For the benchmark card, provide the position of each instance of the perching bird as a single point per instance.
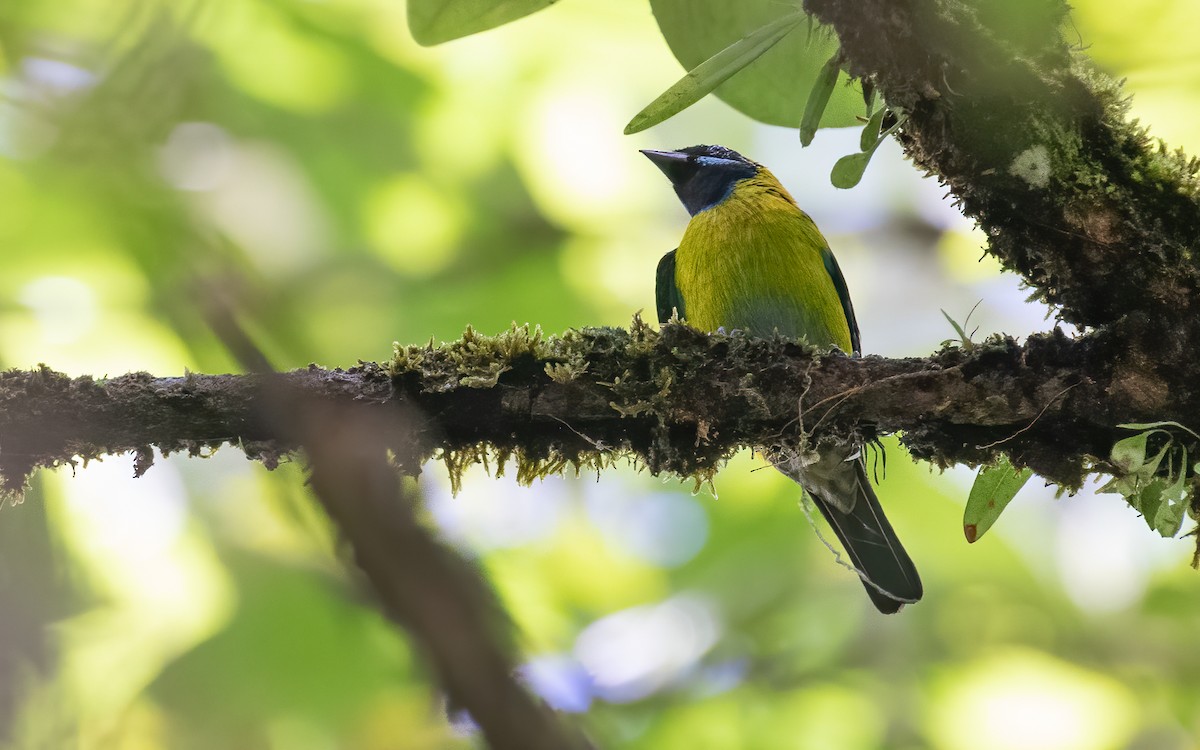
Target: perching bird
(751, 259)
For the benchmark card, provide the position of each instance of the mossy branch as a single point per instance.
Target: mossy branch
(673, 401)
(1098, 218)
(1034, 142)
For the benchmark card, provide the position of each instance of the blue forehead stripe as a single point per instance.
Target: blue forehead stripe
(715, 161)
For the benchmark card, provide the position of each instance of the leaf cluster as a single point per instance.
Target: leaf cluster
(1159, 483)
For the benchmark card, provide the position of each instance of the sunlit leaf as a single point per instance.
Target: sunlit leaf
(435, 21)
(711, 73)
(774, 87)
(994, 488)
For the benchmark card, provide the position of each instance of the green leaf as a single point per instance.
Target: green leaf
(772, 89)
(994, 488)
(1162, 505)
(962, 334)
(1150, 468)
(1162, 502)
(435, 21)
(1148, 499)
(849, 169)
(1157, 425)
(1168, 518)
(870, 134)
(1129, 454)
(818, 98)
(711, 73)
(1130, 484)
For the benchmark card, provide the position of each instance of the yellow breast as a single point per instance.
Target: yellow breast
(754, 262)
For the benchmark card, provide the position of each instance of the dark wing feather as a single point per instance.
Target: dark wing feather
(666, 293)
(839, 283)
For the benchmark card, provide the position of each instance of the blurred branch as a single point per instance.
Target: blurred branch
(677, 401)
(424, 586)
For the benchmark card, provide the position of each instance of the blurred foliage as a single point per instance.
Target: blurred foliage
(341, 188)
(437, 21)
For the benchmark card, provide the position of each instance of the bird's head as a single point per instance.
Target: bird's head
(703, 176)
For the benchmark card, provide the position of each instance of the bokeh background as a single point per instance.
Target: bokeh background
(343, 188)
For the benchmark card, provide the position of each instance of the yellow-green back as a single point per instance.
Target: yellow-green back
(755, 261)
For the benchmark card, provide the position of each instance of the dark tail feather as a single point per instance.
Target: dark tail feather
(873, 548)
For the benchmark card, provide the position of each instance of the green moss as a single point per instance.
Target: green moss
(528, 468)
(639, 367)
(474, 361)
(566, 372)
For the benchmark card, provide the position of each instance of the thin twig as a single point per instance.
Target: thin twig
(1032, 422)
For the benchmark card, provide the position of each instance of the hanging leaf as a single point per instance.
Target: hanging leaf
(995, 486)
(773, 87)
(711, 73)
(1129, 454)
(1168, 519)
(849, 170)
(870, 134)
(1163, 505)
(818, 98)
(1161, 501)
(435, 21)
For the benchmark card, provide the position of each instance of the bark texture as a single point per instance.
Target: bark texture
(675, 400)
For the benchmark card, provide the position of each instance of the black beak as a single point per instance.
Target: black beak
(673, 164)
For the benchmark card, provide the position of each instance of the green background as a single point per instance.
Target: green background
(343, 188)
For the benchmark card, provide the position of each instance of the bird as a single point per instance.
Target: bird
(750, 259)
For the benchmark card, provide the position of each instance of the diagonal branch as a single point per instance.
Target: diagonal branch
(1096, 216)
(421, 584)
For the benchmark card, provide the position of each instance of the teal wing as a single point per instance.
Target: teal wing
(666, 292)
(839, 283)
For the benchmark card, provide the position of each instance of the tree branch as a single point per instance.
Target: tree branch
(425, 587)
(678, 401)
(1096, 216)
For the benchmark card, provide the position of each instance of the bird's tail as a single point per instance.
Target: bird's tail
(843, 494)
